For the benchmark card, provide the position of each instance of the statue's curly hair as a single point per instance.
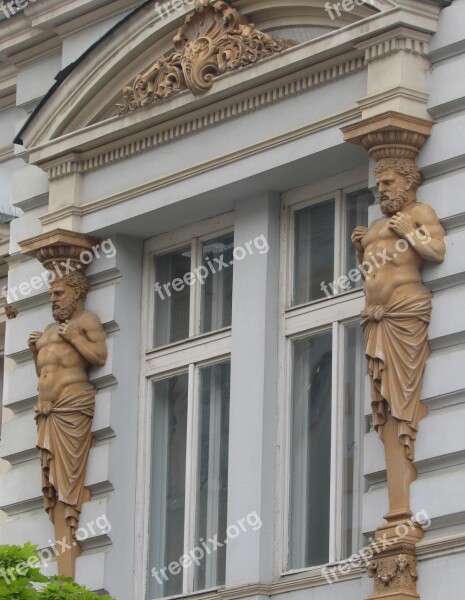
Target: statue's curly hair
(402, 166)
(77, 281)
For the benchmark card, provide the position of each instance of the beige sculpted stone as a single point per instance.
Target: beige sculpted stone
(214, 39)
(11, 311)
(395, 324)
(62, 354)
(396, 317)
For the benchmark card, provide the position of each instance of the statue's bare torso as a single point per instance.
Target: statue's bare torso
(400, 276)
(393, 250)
(61, 368)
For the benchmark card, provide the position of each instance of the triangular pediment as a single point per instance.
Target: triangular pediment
(87, 92)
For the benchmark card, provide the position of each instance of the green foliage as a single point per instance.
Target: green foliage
(20, 579)
(17, 573)
(64, 588)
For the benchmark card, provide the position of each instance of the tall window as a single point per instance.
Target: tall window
(325, 369)
(189, 278)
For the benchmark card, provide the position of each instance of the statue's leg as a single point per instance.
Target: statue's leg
(66, 557)
(400, 471)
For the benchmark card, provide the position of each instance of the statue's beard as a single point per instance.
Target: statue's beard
(62, 314)
(391, 206)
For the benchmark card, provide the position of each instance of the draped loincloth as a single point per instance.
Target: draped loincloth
(397, 349)
(64, 441)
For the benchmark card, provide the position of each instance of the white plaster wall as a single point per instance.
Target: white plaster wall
(35, 79)
(8, 118)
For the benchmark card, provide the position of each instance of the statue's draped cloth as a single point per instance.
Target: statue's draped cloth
(64, 441)
(397, 349)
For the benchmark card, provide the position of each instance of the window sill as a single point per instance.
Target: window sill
(195, 339)
(287, 582)
(322, 303)
(315, 576)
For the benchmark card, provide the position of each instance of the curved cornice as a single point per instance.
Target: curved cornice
(86, 89)
(66, 135)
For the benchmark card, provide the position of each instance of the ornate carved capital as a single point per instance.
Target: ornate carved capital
(214, 39)
(395, 574)
(67, 249)
(390, 135)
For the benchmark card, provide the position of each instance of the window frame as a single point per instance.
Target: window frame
(189, 355)
(298, 322)
(194, 235)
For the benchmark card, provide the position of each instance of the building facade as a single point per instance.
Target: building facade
(233, 419)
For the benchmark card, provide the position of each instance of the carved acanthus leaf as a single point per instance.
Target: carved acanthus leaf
(214, 39)
(394, 573)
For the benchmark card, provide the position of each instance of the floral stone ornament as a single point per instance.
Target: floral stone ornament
(214, 39)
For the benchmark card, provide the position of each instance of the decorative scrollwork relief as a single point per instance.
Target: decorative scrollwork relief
(214, 39)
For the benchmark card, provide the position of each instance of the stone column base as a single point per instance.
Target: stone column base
(394, 564)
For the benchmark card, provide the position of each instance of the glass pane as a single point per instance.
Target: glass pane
(217, 285)
(212, 483)
(357, 214)
(310, 451)
(168, 484)
(172, 297)
(355, 369)
(313, 251)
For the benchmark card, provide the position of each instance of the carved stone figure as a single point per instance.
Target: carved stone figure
(11, 311)
(396, 317)
(63, 354)
(214, 39)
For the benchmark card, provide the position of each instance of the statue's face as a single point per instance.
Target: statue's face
(393, 189)
(64, 300)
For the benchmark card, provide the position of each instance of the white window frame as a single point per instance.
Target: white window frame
(298, 322)
(189, 355)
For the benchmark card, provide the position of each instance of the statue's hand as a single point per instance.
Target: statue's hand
(357, 235)
(402, 225)
(69, 331)
(33, 338)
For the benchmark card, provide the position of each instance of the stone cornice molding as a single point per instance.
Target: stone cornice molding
(328, 58)
(78, 104)
(51, 218)
(399, 39)
(20, 43)
(65, 17)
(245, 103)
(402, 39)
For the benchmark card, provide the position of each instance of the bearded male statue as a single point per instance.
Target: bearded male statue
(62, 355)
(396, 317)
